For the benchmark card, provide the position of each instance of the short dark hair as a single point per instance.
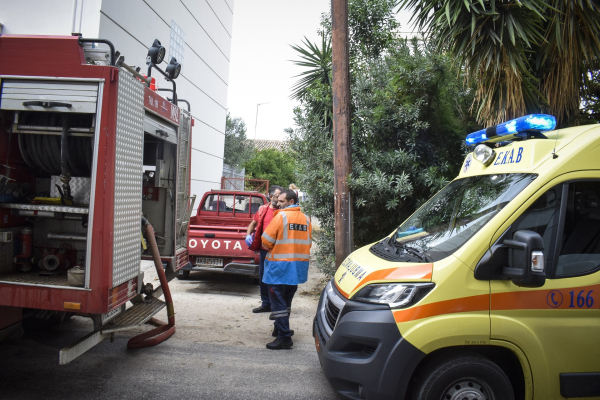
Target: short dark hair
(290, 195)
(274, 188)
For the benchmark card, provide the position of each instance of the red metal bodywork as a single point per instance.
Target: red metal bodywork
(47, 56)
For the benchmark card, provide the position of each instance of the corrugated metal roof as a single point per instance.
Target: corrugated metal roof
(281, 145)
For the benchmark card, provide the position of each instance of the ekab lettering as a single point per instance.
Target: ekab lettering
(509, 157)
(298, 227)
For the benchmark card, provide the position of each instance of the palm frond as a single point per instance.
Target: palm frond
(524, 55)
(317, 60)
(573, 50)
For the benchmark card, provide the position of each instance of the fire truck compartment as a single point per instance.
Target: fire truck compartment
(49, 145)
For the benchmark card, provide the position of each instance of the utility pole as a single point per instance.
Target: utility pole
(342, 151)
(256, 119)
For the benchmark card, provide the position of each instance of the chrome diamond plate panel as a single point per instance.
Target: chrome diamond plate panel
(128, 178)
(80, 188)
(183, 181)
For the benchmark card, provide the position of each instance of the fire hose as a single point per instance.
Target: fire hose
(163, 332)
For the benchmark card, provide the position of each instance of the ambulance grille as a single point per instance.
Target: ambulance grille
(331, 314)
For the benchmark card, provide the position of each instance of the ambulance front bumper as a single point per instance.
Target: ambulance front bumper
(361, 350)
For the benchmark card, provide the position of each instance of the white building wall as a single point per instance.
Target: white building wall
(132, 26)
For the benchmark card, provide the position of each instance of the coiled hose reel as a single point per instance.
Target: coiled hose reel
(43, 151)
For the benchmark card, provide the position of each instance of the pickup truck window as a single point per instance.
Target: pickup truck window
(256, 203)
(225, 203)
(221, 203)
(242, 204)
(211, 203)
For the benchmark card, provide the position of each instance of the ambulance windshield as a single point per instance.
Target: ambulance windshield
(457, 212)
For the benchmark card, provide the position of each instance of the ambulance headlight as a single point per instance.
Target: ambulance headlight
(484, 154)
(396, 295)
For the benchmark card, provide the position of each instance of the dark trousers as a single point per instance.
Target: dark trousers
(281, 305)
(264, 288)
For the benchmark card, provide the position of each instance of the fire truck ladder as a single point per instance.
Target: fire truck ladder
(188, 215)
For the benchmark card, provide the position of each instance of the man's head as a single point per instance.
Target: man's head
(287, 198)
(274, 192)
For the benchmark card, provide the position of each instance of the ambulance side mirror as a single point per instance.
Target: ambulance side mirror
(526, 266)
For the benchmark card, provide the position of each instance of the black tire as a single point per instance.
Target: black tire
(183, 275)
(467, 377)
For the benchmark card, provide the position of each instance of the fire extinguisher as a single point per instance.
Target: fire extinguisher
(24, 259)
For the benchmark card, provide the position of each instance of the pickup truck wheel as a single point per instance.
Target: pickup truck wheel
(183, 275)
(459, 378)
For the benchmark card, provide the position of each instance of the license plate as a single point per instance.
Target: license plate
(209, 262)
(111, 314)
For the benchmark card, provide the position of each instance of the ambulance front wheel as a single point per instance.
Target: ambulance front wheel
(457, 378)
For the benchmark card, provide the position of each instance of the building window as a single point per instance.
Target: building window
(177, 43)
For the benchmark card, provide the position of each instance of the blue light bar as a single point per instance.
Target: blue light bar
(535, 123)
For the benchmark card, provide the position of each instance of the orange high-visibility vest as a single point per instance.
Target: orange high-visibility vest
(288, 239)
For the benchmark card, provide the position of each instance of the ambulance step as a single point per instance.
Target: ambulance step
(134, 316)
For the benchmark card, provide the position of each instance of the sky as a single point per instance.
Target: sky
(260, 70)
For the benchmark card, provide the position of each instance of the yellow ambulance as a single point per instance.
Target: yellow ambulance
(491, 290)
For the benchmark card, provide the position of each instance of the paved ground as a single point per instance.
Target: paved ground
(218, 352)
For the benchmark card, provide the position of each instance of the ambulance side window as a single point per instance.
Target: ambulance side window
(542, 217)
(580, 250)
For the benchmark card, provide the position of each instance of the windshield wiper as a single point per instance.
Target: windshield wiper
(412, 251)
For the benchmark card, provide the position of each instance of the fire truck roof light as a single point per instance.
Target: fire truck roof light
(173, 69)
(156, 53)
(534, 123)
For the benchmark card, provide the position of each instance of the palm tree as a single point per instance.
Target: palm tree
(524, 55)
(317, 61)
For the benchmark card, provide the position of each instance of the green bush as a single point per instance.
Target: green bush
(278, 167)
(410, 115)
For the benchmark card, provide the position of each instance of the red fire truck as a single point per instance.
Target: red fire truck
(94, 177)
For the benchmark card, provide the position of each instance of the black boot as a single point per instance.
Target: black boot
(261, 309)
(280, 344)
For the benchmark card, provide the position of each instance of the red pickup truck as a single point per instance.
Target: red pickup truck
(217, 233)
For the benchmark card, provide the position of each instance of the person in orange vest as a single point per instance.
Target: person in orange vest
(288, 239)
